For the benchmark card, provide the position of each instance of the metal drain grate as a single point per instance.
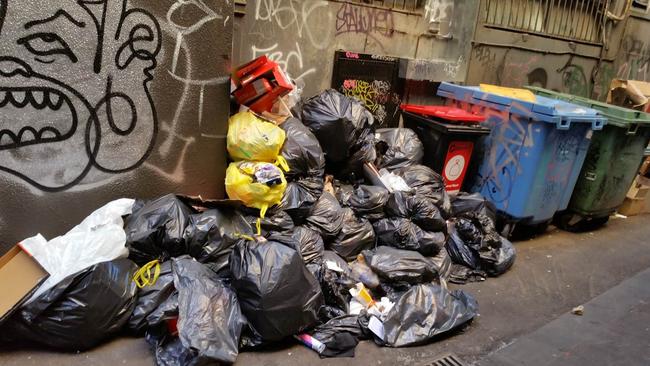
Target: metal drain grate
(449, 359)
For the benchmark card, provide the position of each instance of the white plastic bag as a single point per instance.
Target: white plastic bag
(100, 237)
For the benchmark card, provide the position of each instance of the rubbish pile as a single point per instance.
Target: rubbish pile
(340, 235)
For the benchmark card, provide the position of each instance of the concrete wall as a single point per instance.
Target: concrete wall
(511, 58)
(105, 99)
(633, 61)
(302, 37)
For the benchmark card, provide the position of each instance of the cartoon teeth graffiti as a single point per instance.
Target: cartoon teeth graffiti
(74, 90)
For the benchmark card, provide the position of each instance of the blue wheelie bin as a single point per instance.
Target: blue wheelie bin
(533, 155)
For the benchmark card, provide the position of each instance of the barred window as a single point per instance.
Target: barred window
(575, 20)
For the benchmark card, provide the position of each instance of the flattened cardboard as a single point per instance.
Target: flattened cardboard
(20, 276)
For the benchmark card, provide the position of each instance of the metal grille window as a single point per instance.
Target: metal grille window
(576, 20)
(407, 5)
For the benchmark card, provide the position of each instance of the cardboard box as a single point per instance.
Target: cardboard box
(630, 94)
(20, 276)
(640, 188)
(632, 207)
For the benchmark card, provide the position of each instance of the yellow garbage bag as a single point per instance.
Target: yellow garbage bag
(251, 138)
(257, 184)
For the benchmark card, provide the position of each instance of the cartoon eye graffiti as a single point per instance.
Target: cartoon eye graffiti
(47, 44)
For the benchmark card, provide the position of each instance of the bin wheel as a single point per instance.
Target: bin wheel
(574, 223)
(507, 230)
(526, 232)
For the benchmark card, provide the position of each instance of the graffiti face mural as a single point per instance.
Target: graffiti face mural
(74, 97)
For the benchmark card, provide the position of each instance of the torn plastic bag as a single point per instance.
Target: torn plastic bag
(251, 138)
(337, 122)
(80, 311)
(257, 185)
(356, 235)
(311, 245)
(458, 250)
(211, 235)
(302, 151)
(402, 148)
(150, 298)
(339, 335)
(419, 209)
(335, 279)
(461, 275)
(167, 311)
(404, 234)
(98, 238)
(360, 271)
(427, 183)
(155, 230)
(497, 260)
(396, 265)
(326, 217)
(277, 293)
(425, 311)
(442, 262)
(299, 198)
(352, 168)
(369, 201)
(209, 318)
(277, 220)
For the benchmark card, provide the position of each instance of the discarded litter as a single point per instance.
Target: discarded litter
(301, 257)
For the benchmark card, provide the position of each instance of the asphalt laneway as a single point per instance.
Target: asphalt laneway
(552, 274)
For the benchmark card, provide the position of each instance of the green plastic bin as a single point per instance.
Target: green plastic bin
(612, 161)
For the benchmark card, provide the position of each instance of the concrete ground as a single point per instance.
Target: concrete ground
(552, 274)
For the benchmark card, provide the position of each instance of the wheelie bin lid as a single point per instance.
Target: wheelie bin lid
(617, 116)
(444, 112)
(544, 109)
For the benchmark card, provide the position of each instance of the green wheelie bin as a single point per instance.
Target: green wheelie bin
(612, 161)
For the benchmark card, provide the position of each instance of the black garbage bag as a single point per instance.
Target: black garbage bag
(442, 263)
(277, 293)
(210, 321)
(210, 235)
(311, 245)
(326, 217)
(459, 251)
(155, 230)
(427, 183)
(352, 168)
(402, 148)
(425, 311)
(396, 265)
(339, 335)
(368, 201)
(276, 220)
(300, 197)
(167, 311)
(497, 260)
(302, 151)
(474, 204)
(356, 235)
(336, 280)
(151, 297)
(404, 234)
(461, 275)
(79, 312)
(418, 208)
(338, 122)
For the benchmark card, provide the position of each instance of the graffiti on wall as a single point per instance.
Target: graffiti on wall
(77, 75)
(295, 21)
(636, 59)
(77, 82)
(373, 94)
(369, 21)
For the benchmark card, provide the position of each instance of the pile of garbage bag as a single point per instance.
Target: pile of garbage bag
(304, 258)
